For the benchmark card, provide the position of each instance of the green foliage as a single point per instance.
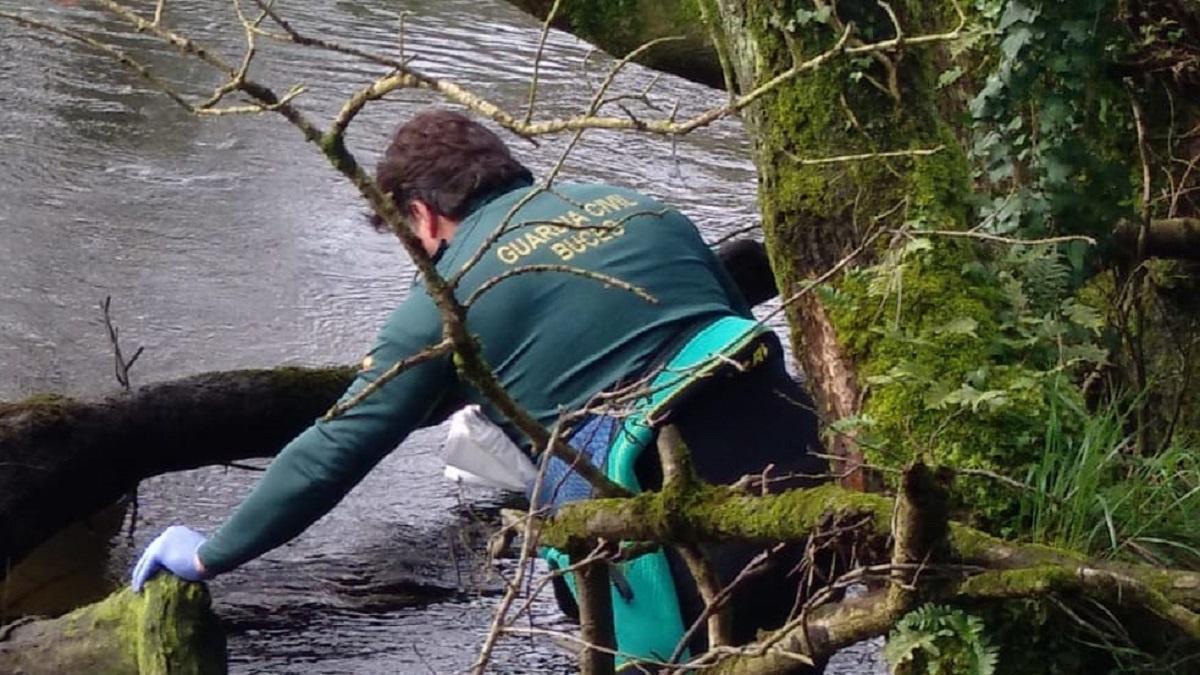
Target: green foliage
(1053, 131)
(938, 640)
(1035, 638)
(593, 18)
(964, 348)
(1094, 496)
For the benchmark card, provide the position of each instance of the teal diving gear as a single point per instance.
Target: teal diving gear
(646, 611)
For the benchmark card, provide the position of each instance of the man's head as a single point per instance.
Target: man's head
(436, 166)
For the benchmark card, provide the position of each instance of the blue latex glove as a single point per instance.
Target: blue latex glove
(175, 551)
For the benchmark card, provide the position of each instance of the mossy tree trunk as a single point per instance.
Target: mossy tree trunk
(816, 215)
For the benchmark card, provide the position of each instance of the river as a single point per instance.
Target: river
(228, 243)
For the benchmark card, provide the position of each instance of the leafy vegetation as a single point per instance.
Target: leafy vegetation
(940, 640)
(974, 361)
(1052, 127)
(1091, 494)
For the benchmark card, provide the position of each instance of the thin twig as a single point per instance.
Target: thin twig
(537, 59)
(1137, 281)
(605, 279)
(528, 546)
(816, 161)
(429, 353)
(973, 234)
(734, 234)
(828, 274)
(121, 365)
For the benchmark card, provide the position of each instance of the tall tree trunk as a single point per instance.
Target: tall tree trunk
(815, 215)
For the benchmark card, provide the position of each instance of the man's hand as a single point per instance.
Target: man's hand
(175, 550)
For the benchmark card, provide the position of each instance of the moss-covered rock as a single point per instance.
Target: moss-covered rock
(167, 629)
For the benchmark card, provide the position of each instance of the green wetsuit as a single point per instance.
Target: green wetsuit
(553, 338)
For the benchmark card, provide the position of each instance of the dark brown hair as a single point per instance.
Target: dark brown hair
(446, 160)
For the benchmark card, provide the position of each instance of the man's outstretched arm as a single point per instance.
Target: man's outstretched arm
(316, 470)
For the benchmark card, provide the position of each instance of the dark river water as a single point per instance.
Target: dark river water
(228, 243)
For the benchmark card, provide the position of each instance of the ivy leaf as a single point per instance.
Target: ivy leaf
(917, 245)
(1017, 12)
(1076, 31)
(807, 16)
(949, 77)
(1077, 252)
(1015, 41)
(963, 325)
(1058, 172)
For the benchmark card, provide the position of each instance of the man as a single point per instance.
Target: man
(555, 340)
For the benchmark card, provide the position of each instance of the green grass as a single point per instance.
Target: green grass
(1094, 495)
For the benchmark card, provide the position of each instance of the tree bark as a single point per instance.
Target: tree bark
(595, 619)
(1165, 238)
(167, 629)
(621, 28)
(815, 215)
(718, 513)
(63, 459)
(929, 559)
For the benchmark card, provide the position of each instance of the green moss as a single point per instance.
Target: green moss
(930, 332)
(167, 629)
(178, 635)
(708, 513)
(42, 407)
(45, 399)
(773, 518)
(296, 378)
(970, 544)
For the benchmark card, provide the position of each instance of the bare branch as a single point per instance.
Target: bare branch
(919, 152)
(121, 365)
(537, 59)
(428, 354)
(975, 234)
(605, 279)
(529, 543)
(114, 52)
(825, 276)
(595, 619)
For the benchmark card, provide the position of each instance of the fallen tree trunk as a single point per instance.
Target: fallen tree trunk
(62, 459)
(1165, 238)
(96, 451)
(911, 545)
(167, 629)
(716, 513)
